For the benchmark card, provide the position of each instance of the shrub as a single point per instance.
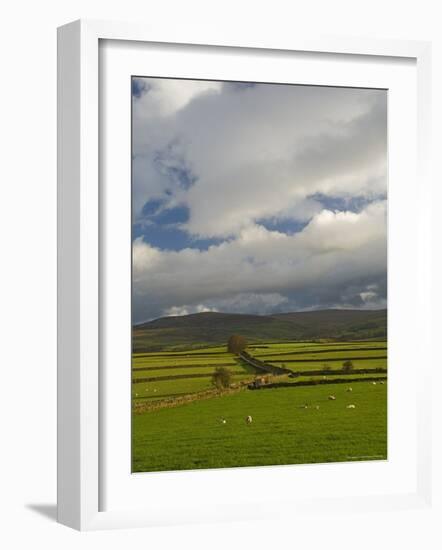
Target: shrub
(222, 377)
(347, 366)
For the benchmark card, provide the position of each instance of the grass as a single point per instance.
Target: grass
(286, 379)
(204, 369)
(318, 357)
(169, 369)
(169, 388)
(192, 436)
(313, 357)
(183, 360)
(305, 347)
(189, 371)
(334, 365)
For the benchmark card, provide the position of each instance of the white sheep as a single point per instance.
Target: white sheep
(374, 383)
(332, 397)
(249, 419)
(349, 389)
(351, 406)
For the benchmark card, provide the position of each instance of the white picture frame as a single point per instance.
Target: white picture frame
(79, 271)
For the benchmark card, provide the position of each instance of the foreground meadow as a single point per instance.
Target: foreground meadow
(290, 426)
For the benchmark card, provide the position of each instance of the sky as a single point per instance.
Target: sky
(257, 198)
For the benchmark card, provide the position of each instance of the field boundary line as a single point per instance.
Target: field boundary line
(317, 382)
(166, 403)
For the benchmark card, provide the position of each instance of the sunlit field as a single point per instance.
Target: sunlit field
(290, 426)
(181, 421)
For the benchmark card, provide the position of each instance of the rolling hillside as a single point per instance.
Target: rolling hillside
(211, 328)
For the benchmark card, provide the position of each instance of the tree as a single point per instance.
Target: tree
(236, 344)
(221, 377)
(347, 366)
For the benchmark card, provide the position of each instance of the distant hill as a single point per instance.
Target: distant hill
(333, 322)
(211, 328)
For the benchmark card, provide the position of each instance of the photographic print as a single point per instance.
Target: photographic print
(259, 274)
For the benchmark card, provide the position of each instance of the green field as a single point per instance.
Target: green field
(170, 374)
(292, 422)
(283, 431)
(173, 388)
(301, 357)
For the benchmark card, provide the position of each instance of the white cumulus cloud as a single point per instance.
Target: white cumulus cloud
(286, 185)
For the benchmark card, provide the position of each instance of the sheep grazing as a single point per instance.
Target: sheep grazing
(351, 406)
(332, 397)
(349, 389)
(317, 407)
(249, 419)
(374, 383)
(223, 421)
(381, 382)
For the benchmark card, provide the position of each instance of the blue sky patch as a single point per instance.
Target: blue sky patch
(139, 87)
(156, 211)
(169, 237)
(151, 207)
(171, 216)
(350, 203)
(289, 226)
